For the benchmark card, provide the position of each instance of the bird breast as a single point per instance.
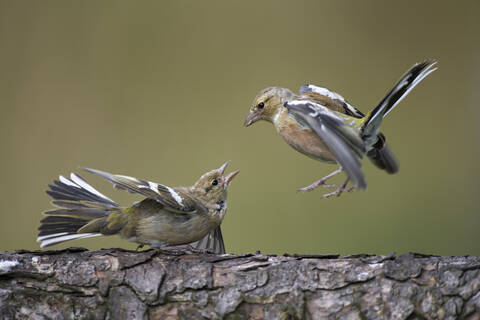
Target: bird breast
(303, 139)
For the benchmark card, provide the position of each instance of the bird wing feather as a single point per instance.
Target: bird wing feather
(342, 140)
(330, 99)
(173, 200)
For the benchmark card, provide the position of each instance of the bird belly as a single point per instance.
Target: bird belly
(174, 228)
(306, 141)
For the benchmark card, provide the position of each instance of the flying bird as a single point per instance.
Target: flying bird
(322, 125)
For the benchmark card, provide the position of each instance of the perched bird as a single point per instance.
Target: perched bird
(322, 125)
(166, 217)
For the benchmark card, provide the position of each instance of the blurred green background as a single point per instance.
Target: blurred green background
(159, 90)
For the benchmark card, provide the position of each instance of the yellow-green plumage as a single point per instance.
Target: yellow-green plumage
(168, 216)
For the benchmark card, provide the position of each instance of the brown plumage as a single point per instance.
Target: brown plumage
(320, 124)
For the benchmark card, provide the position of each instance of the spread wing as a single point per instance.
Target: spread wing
(213, 241)
(343, 141)
(330, 99)
(173, 200)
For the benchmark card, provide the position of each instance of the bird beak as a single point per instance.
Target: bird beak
(227, 179)
(251, 118)
(230, 177)
(223, 167)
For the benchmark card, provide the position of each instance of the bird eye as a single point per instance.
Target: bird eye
(261, 105)
(214, 182)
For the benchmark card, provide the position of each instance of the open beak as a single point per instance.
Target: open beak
(230, 176)
(223, 167)
(251, 118)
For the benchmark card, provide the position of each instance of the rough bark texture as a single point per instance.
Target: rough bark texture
(119, 284)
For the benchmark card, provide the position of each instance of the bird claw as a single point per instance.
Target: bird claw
(315, 185)
(331, 194)
(322, 182)
(339, 190)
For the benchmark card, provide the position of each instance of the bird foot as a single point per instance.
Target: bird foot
(322, 182)
(340, 190)
(317, 184)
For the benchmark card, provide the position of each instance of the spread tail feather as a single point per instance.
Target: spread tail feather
(409, 80)
(213, 242)
(78, 204)
(57, 238)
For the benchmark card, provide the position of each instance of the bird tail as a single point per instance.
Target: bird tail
(382, 157)
(213, 242)
(80, 206)
(371, 123)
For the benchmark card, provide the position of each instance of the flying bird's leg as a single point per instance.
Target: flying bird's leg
(321, 182)
(340, 190)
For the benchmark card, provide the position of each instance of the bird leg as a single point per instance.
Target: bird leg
(321, 182)
(340, 190)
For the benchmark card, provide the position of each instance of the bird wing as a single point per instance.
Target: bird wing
(330, 99)
(343, 140)
(213, 241)
(173, 200)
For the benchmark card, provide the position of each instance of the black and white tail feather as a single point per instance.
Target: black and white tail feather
(407, 82)
(78, 203)
(378, 151)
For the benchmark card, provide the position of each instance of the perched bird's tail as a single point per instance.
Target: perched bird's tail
(371, 124)
(80, 206)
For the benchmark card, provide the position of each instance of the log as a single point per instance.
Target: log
(158, 284)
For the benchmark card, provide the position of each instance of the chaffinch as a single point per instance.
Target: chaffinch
(166, 217)
(322, 125)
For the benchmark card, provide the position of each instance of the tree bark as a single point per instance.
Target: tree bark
(157, 284)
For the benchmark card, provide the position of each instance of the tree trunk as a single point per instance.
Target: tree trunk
(156, 284)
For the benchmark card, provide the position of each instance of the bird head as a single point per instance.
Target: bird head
(267, 104)
(213, 185)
